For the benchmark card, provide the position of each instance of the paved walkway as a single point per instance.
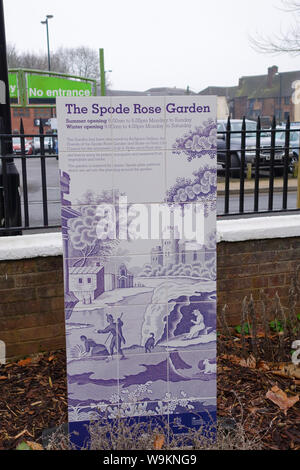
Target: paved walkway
(249, 185)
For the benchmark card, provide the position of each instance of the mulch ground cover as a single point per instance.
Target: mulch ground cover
(242, 397)
(33, 397)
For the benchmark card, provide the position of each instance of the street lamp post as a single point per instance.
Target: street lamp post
(10, 203)
(279, 75)
(280, 97)
(48, 17)
(103, 73)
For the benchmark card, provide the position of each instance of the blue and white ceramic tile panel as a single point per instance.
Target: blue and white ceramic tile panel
(140, 313)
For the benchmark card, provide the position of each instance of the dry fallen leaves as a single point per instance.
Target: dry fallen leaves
(34, 445)
(280, 398)
(158, 442)
(287, 370)
(25, 362)
(232, 358)
(249, 362)
(263, 365)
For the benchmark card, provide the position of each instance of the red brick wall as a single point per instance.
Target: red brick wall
(28, 116)
(31, 306)
(31, 290)
(246, 267)
(240, 107)
(266, 106)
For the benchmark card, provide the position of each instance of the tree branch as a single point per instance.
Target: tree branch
(284, 42)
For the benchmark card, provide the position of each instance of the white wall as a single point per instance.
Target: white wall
(222, 108)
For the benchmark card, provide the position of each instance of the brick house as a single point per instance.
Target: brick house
(260, 95)
(31, 117)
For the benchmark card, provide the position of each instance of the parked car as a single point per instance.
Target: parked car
(55, 149)
(250, 150)
(49, 144)
(55, 146)
(17, 146)
(294, 143)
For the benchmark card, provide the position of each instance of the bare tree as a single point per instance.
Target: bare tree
(12, 56)
(82, 61)
(33, 60)
(285, 41)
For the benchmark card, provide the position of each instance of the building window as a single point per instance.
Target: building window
(286, 100)
(21, 112)
(253, 114)
(183, 258)
(42, 113)
(80, 280)
(89, 280)
(251, 103)
(195, 256)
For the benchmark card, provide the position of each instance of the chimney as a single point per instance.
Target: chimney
(271, 73)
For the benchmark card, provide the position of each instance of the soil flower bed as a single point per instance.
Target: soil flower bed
(33, 397)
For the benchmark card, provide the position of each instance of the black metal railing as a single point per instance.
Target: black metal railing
(23, 153)
(265, 158)
(242, 153)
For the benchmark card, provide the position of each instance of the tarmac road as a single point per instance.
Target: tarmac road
(35, 190)
(53, 193)
(263, 202)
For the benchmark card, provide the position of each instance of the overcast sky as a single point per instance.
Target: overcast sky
(159, 42)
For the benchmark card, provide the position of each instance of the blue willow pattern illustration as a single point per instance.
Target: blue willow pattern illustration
(199, 142)
(141, 329)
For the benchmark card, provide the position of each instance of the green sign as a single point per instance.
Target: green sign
(39, 88)
(13, 86)
(46, 89)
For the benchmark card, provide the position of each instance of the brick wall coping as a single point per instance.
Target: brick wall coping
(233, 230)
(30, 246)
(258, 228)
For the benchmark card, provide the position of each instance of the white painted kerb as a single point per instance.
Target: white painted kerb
(234, 230)
(258, 228)
(2, 352)
(30, 246)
